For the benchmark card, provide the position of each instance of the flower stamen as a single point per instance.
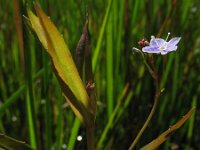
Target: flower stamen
(167, 36)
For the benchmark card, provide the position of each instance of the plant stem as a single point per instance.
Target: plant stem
(157, 94)
(90, 137)
(145, 124)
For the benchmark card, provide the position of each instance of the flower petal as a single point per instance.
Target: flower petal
(164, 52)
(171, 48)
(161, 46)
(174, 41)
(153, 42)
(150, 49)
(160, 42)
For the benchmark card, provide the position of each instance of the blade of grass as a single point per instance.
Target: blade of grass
(14, 97)
(185, 9)
(124, 106)
(48, 113)
(118, 34)
(74, 133)
(191, 124)
(111, 119)
(135, 12)
(18, 23)
(100, 39)
(59, 125)
(30, 105)
(48, 106)
(30, 118)
(167, 71)
(175, 82)
(30, 100)
(109, 65)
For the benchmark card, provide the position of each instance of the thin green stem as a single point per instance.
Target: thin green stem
(147, 65)
(146, 123)
(156, 97)
(144, 59)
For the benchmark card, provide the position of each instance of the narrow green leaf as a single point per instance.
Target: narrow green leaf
(112, 118)
(74, 134)
(109, 65)
(12, 99)
(15, 96)
(100, 39)
(18, 23)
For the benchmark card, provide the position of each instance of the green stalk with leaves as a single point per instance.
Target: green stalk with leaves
(64, 67)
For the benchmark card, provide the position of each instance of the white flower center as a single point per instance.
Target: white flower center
(162, 47)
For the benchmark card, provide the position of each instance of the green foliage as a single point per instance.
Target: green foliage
(30, 91)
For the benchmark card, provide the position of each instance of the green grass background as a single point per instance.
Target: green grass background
(32, 108)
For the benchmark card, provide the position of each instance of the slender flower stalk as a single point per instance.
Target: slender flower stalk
(158, 46)
(145, 62)
(154, 75)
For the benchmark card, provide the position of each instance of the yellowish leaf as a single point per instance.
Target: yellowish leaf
(75, 110)
(64, 66)
(162, 138)
(62, 56)
(35, 22)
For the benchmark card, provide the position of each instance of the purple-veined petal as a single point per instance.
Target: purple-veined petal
(150, 49)
(157, 42)
(161, 46)
(174, 41)
(160, 42)
(153, 42)
(171, 48)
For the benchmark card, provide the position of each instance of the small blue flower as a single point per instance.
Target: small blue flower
(161, 46)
